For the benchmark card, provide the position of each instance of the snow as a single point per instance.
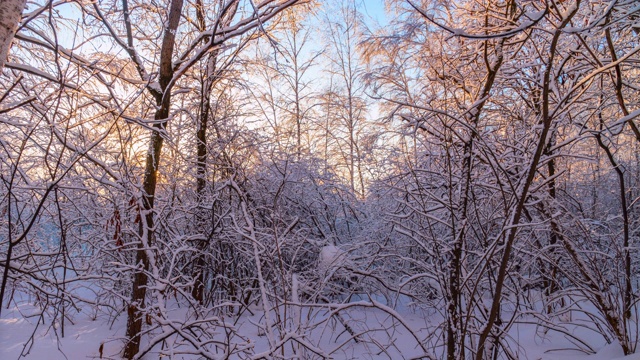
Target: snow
(82, 338)
(331, 256)
(385, 331)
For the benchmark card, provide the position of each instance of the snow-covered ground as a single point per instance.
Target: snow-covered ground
(387, 337)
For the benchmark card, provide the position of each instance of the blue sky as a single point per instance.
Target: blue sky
(375, 10)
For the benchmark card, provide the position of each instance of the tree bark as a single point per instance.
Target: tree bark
(523, 191)
(211, 77)
(146, 227)
(10, 16)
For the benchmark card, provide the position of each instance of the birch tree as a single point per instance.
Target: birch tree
(10, 15)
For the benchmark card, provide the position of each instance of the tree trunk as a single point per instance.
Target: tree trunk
(146, 227)
(201, 172)
(10, 16)
(211, 77)
(523, 191)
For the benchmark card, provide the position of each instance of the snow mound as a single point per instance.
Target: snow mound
(331, 256)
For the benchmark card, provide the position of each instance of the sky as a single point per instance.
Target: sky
(375, 9)
(372, 9)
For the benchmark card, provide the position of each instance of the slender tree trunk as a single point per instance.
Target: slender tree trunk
(201, 181)
(455, 332)
(147, 227)
(10, 16)
(625, 210)
(212, 75)
(146, 234)
(298, 115)
(627, 290)
(550, 282)
(523, 191)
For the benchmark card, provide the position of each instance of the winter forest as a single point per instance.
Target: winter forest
(320, 179)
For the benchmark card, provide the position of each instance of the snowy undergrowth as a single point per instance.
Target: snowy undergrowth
(361, 330)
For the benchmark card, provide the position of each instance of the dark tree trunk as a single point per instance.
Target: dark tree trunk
(136, 307)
